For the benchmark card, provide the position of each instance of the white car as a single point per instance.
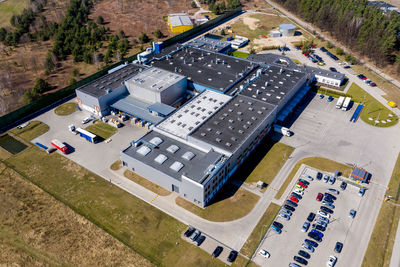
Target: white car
(297, 191)
(86, 120)
(324, 214)
(264, 253)
(331, 261)
(309, 177)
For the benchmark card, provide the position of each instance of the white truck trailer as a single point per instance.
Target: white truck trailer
(340, 102)
(346, 103)
(282, 130)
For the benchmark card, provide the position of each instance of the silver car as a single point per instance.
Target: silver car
(284, 216)
(333, 191)
(308, 247)
(287, 212)
(332, 180)
(324, 219)
(305, 227)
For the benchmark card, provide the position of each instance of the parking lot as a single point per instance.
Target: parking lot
(283, 247)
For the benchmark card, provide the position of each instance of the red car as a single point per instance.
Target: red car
(319, 197)
(302, 184)
(292, 198)
(313, 46)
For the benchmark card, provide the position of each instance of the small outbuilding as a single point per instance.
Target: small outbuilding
(360, 174)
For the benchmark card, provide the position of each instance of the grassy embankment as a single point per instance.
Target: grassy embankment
(65, 109)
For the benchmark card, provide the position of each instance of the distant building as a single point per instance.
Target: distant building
(384, 6)
(287, 29)
(179, 22)
(239, 42)
(211, 44)
(275, 33)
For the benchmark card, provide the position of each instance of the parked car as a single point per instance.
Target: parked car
(319, 176)
(276, 229)
(289, 202)
(310, 217)
(326, 178)
(330, 98)
(304, 254)
(200, 240)
(343, 185)
(284, 216)
(372, 84)
(328, 204)
(361, 192)
(321, 96)
(332, 190)
(324, 214)
(299, 187)
(323, 219)
(189, 231)
(346, 67)
(195, 235)
(299, 192)
(319, 197)
(331, 196)
(86, 120)
(332, 180)
(288, 212)
(300, 260)
(217, 251)
(288, 207)
(311, 243)
(305, 227)
(319, 227)
(304, 181)
(232, 256)
(308, 247)
(293, 194)
(321, 223)
(327, 210)
(315, 237)
(323, 49)
(277, 224)
(331, 261)
(264, 253)
(302, 184)
(309, 177)
(292, 198)
(317, 232)
(338, 247)
(333, 69)
(294, 265)
(327, 199)
(352, 214)
(361, 76)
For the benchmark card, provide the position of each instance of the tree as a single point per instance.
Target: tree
(193, 4)
(72, 81)
(28, 97)
(329, 45)
(159, 34)
(100, 20)
(75, 72)
(49, 62)
(339, 51)
(41, 86)
(144, 38)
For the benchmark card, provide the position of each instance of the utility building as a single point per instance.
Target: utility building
(179, 22)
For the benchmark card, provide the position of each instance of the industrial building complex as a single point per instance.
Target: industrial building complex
(206, 111)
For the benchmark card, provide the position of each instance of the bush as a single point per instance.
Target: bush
(100, 20)
(159, 34)
(144, 38)
(41, 86)
(329, 45)
(72, 81)
(339, 51)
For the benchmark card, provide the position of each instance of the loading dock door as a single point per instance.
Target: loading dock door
(175, 188)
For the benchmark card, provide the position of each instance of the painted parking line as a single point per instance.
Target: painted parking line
(378, 199)
(154, 198)
(274, 189)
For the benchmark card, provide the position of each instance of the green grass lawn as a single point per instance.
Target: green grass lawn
(146, 183)
(318, 163)
(30, 132)
(229, 204)
(270, 165)
(372, 107)
(9, 8)
(65, 109)
(259, 231)
(102, 129)
(145, 229)
(380, 246)
(240, 54)
(116, 165)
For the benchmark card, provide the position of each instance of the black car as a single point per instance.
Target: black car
(328, 199)
(304, 254)
(323, 49)
(361, 76)
(338, 247)
(277, 224)
(331, 196)
(319, 227)
(311, 243)
(200, 240)
(189, 231)
(288, 207)
(319, 176)
(310, 217)
(292, 203)
(217, 251)
(327, 210)
(296, 195)
(300, 260)
(232, 256)
(315, 236)
(333, 69)
(343, 185)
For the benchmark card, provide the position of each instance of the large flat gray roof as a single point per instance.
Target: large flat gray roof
(98, 88)
(272, 86)
(234, 123)
(194, 169)
(212, 70)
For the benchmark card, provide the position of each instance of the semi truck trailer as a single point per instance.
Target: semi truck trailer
(340, 102)
(346, 103)
(282, 130)
(60, 146)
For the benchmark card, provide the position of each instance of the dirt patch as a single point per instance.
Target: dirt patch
(251, 22)
(37, 230)
(263, 43)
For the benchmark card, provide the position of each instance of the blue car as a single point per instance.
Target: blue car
(317, 232)
(276, 229)
(330, 98)
(311, 243)
(321, 96)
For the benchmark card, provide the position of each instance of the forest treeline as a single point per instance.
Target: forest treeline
(360, 27)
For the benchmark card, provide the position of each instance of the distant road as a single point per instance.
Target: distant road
(333, 41)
